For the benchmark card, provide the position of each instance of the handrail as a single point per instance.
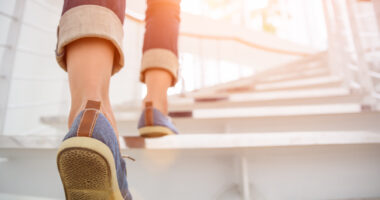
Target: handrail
(231, 38)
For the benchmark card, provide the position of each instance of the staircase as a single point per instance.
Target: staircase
(313, 96)
(305, 125)
(299, 103)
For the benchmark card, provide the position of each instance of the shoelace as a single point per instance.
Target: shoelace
(129, 157)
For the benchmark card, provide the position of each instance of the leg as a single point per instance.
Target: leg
(160, 62)
(159, 66)
(89, 66)
(158, 82)
(89, 49)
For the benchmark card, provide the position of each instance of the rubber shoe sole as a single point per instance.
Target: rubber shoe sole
(155, 131)
(87, 170)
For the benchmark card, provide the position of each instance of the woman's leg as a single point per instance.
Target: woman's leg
(89, 159)
(158, 82)
(89, 48)
(160, 57)
(89, 66)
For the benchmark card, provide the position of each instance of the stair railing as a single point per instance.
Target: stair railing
(354, 47)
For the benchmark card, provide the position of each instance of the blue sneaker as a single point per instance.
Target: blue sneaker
(89, 159)
(153, 123)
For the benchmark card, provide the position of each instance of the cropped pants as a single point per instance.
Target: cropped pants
(104, 19)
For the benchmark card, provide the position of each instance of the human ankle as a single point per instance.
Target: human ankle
(157, 82)
(160, 103)
(78, 106)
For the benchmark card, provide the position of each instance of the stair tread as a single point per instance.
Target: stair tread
(284, 98)
(260, 111)
(317, 122)
(298, 83)
(245, 140)
(267, 98)
(211, 141)
(267, 103)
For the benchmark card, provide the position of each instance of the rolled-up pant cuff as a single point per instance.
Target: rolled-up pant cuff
(158, 58)
(90, 21)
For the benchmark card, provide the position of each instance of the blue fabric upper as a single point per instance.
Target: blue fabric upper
(104, 132)
(159, 119)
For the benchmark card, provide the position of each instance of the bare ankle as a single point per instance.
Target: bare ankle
(160, 103)
(158, 81)
(105, 109)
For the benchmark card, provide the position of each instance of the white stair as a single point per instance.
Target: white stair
(299, 98)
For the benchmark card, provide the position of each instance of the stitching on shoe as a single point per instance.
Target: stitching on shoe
(92, 109)
(94, 119)
(81, 120)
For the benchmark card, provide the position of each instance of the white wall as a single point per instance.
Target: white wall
(38, 86)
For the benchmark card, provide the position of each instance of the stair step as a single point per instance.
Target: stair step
(287, 70)
(22, 197)
(249, 85)
(265, 111)
(299, 78)
(216, 140)
(349, 120)
(249, 140)
(312, 62)
(312, 73)
(267, 103)
(279, 98)
(320, 82)
(317, 122)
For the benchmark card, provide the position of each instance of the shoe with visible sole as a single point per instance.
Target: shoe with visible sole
(89, 159)
(153, 123)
